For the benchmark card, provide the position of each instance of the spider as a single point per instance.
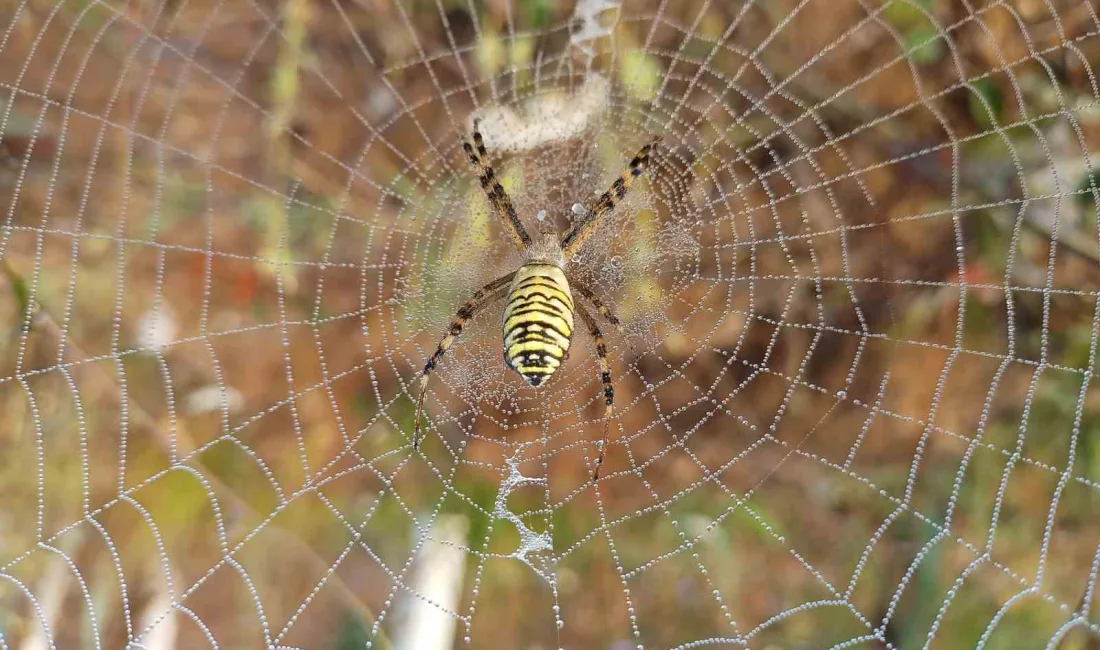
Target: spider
(538, 314)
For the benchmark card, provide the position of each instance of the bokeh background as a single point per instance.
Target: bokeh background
(859, 293)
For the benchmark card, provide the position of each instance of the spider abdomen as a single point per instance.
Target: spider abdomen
(538, 321)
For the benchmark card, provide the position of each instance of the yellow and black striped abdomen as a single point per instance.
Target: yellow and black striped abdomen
(538, 321)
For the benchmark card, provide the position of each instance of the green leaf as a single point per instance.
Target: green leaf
(919, 34)
(924, 43)
(537, 12)
(18, 287)
(986, 103)
(352, 633)
(905, 14)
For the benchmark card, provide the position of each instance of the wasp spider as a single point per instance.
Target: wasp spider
(539, 312)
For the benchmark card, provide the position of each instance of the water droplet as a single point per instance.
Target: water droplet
(541, 215)
(577, 209)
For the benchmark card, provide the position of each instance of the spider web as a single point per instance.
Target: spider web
(858, 289)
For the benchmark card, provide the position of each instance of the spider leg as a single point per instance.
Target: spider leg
(601, 308)
(608, 200)
(479, 142)
(605, 377)
(481, 297)
(498, 198)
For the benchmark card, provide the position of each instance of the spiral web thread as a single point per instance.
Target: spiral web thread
(858, 291)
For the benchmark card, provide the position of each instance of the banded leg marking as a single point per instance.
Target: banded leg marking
(498, 198)
(479, 142)
(601, 308)
(605, 378)
(481, 297)
(609, 199)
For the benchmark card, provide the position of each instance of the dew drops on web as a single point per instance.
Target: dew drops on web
(848, 316)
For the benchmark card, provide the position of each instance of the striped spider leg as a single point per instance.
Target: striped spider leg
(605, 378)
(583, 229)
(601, 308)
(601, 353)
(498, 198)
(482, 297)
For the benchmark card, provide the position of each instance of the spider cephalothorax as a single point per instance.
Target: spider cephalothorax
(539, 310)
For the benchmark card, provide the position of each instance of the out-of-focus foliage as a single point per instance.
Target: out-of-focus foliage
(859, 296)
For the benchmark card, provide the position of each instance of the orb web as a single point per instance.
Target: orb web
(857, 286)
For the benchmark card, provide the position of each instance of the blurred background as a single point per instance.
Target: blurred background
(853, 383)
